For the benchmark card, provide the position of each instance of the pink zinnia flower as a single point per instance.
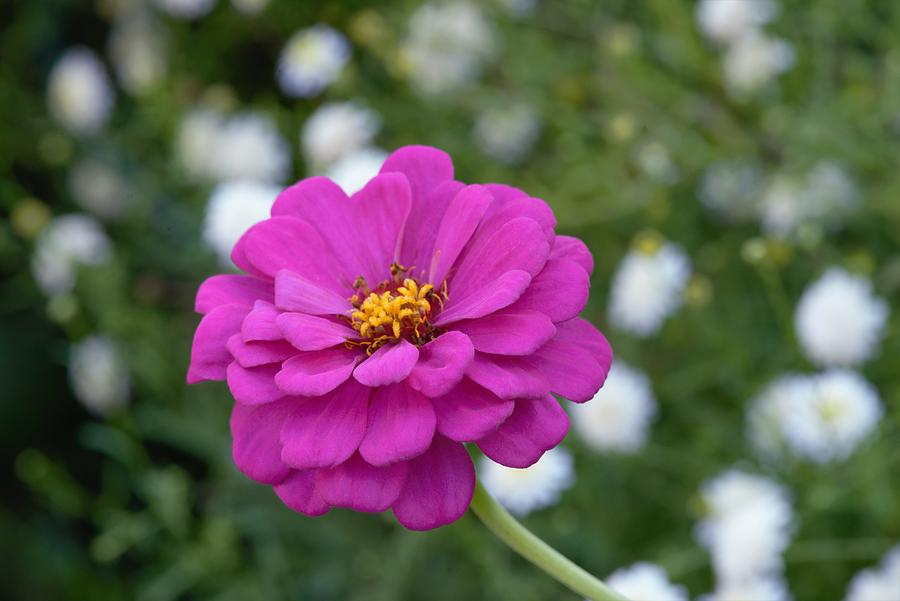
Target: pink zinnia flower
(373, 335)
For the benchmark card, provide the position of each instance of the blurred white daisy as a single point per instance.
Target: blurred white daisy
(655, 161)
(354, 170)
(335, 129)
(647, 288)
(724, 21)
(768, 411)
(137, 51)
(618, 417)
(747, 527)
(522, 491)
(446, 46)
(250, 7)
(248, 146)
(754, 59)
(763, 588)
(185, 9)
(233, 207)
(829, 423)
(507, 133)
(825, 196)
(645, 581)
(880, 583)
(79, 94)
(197, 142)
(312, 60)
(839, 321)
(731, 189)
(64, 244)
(98, 188)
(98, 375)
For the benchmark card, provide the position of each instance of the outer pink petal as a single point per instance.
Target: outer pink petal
(508, 331)
(253, 385)
(439, 487)
(252, 354)
(325, 431)
(508, 377)
(536, 426)
(296, 293)
(457, 227)
(310, 333)
(560, 290)
(231, 290)
(442, 363)
(582, 332)
(389, 364)
(469, 412)
(510, 203)
(290, 243)
(401, 425)
(573, 249)
(362, 487)
(384, 206)
(255, 446)
(260, 323)
(317, 372)
(299, 492)
(504, 291)
(209, 354)
(570, 369)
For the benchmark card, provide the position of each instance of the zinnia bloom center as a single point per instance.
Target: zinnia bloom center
(394, 310)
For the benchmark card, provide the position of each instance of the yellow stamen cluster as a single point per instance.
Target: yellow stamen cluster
(383, 317)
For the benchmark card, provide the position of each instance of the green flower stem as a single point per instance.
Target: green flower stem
(526, 544)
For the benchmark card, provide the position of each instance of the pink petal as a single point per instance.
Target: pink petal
(536, 426)
(316, 373)
(360, 486)
(457, 226)
(438, 488)
(504, 291)
(508, 377)
(231, 290)
(239, 258)
(295, 293)
(573, 249)
(299, 492)
(252, 354)
(389, 364)
(510, 203)
(425, 219)
(310, 333)
(325, 431)
(383, 205)
(424, 166)
(582, 332)
(442, 363)
(253, 385)
(571, 370)
(560, 290)
(209, 354)
(401, 425)
(260, 323)
(469, 412)
(255, 446)
(508, 331)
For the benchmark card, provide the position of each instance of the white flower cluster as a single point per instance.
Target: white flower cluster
(233, 207)
(312, 60)
(98, 376)
(337, 129)
(618, 417)
(881, 583)
(137, 50)
(79, 94)
(507, 133)
(645, 580)
(731, 189)
(447, 44)
(752, 57)
(522, 491)
(62, 246)
(353, 170)
(647, 288)
(822, 417)
(747, 528)
(98, 188)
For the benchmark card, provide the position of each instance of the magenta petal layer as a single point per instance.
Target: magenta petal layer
(535, 426)
(469, 412)
(401, 425)
(442, 363)
(357, 485)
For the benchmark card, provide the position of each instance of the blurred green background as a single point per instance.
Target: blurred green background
(628, 107)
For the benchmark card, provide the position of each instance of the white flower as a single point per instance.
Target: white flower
(138, 54)
(768, 411)
(731, 190)
(522, 491)
(250, 7)
(647, 287)
(233, 207)
(353, 171)
(825, 196)
(619, 415)
(312, 60)
(197, 142)
(828, 423)
(248, 146)
(724, 21)
(185, 9)
(655, 160)
(839, 321)
(98, 188)
(765, 588)
(754, 59)
(79, 94)
(98, 376)
(645, 581)
(335, 129)
(446, 46)
(507, 133)
(64, 244)
(881, 583)
(748, 525)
